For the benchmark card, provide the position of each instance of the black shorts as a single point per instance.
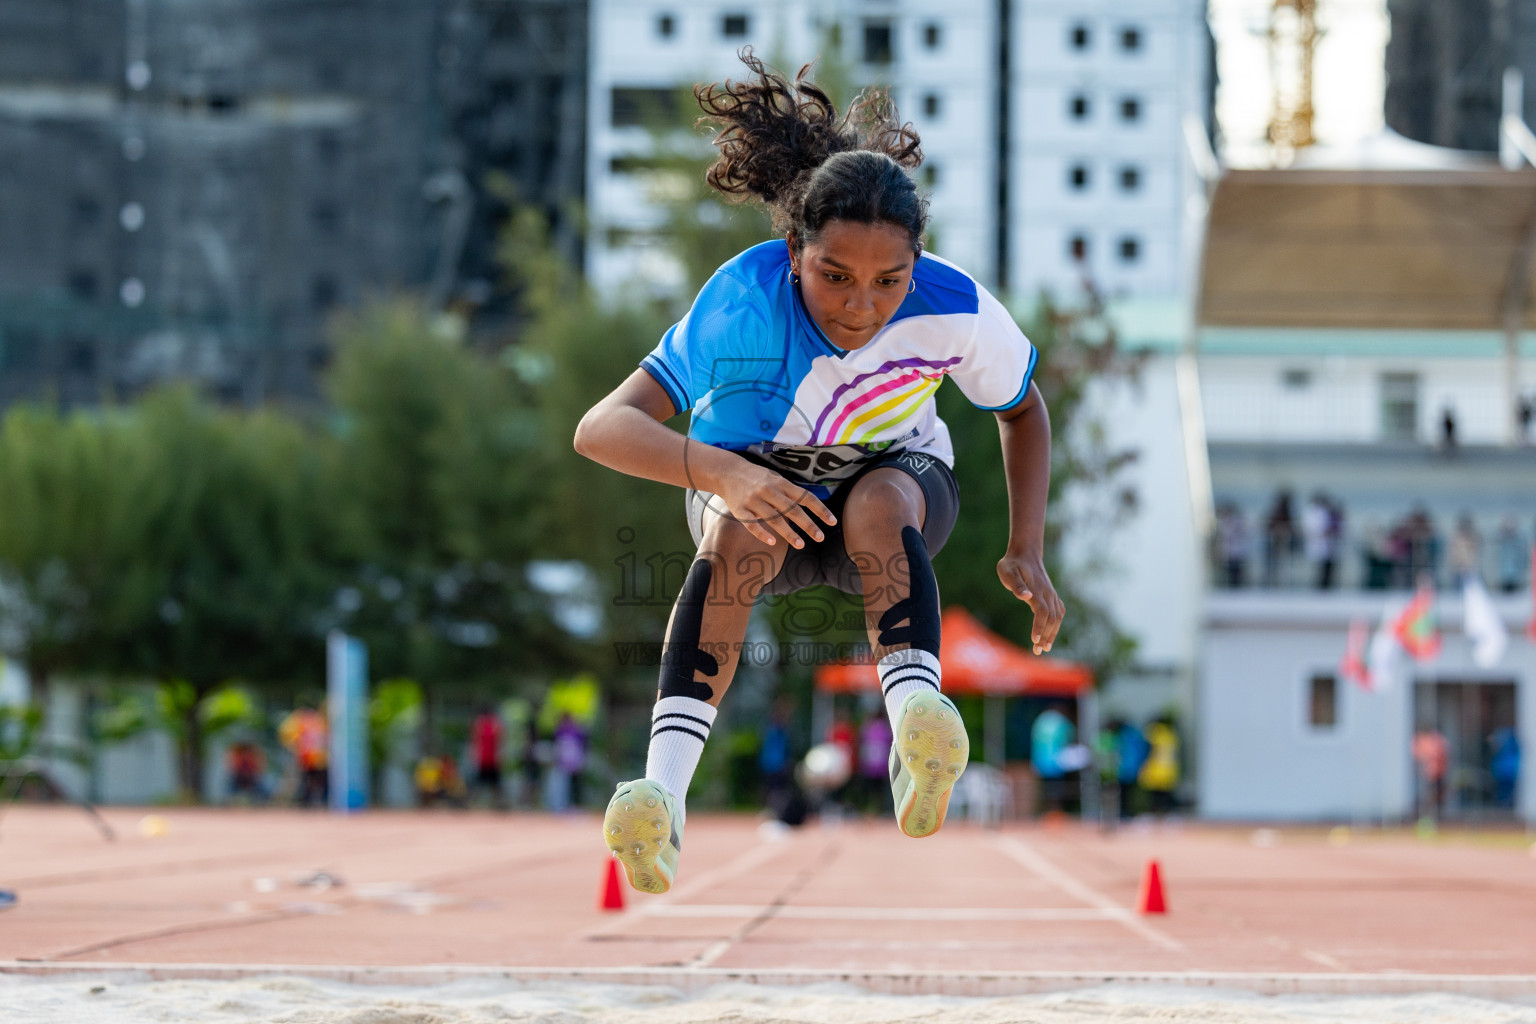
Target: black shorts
(827, 561)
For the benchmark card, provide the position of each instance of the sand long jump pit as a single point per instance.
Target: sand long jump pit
(465, 917)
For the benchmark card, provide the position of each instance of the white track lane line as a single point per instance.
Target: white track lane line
(647, 906)
(1054, 876)
(804, 913)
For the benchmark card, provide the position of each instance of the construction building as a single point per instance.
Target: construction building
(189, 190)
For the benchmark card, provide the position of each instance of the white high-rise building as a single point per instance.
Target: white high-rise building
(938, 58)
(1079, 168)
(1100, 166)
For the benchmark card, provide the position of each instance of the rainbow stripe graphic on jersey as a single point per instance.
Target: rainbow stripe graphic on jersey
(878, 409)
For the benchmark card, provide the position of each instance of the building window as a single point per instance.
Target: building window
(326, 218)
(82, 284)
(1077, 177)
(1130, 178)
(1078, 107)
(1296, 379)
(328, 147)
(1130, 109)
(87, 211)
(878, 47)
(1130, 249)
(1130, 39)
(666, 26)
(1078, 36)
(734, 26)
(635, 108)
(930, 174)
(1399, 406)
(931, 36)
(323, 292)
(1077, 248)
(931, 105)
(1323, 701)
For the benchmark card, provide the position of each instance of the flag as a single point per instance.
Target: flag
(1416, 628)
(1482, 624)
(1531, 629)
(1385, 653)
(1353, 667)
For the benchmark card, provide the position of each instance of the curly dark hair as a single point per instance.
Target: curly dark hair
(783, 144)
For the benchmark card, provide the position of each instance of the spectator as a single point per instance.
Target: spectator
(1431, 753)
(535, 756)
(485, 744)
(874, 763)
(842, 735)
(1511, 556)
(1420, 551)
(246, 766)
(1051, 734)
(1465, 551)
(774, 761)
(304, 734)
(1319, 524)
(1233, 543)
(1505, 765)
(570, 760)
(1159, 774)
(1376, 548)
(1279, 537)
(1131, 751)
(1448, 430)
(1524, 410)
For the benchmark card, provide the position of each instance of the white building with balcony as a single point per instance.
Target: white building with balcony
(1364, 344)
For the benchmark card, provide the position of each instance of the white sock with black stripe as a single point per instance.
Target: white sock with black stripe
(903, 673)
(679, 728)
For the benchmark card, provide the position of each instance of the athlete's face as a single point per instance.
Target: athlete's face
(854, 277)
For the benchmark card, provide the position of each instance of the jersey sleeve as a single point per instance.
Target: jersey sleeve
(999, 361)
(726, 323)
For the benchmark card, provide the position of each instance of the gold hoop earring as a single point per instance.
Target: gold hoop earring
(794, 276)
(912, 286)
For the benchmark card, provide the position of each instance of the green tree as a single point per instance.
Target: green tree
(1076, 346)
(443, 475)
(628, 532)
(73, 517)
(231, 575)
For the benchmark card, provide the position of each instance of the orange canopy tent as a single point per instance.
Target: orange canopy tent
(973, 659)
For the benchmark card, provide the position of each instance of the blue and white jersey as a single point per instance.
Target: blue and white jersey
(761, 377)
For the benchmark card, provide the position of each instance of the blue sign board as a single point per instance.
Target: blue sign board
(346, 663)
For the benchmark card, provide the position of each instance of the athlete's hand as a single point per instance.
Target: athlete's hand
(1026, 578)
(766, 503)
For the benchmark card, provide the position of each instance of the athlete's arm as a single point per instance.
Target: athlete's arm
(625, 432)
(1026, 434)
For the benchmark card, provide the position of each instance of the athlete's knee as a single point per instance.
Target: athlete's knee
(739, 559)
(884, 501)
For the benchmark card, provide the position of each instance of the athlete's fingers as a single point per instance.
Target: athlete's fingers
(776, 518)
(797, 514)
(810, 501)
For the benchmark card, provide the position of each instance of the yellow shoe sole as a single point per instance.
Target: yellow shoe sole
(638, 830)
(934, 750)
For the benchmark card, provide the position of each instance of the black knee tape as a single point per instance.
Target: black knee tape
(681, 655)
(920, 608)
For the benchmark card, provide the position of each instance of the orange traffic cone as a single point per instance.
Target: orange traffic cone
(1151, 899)
(613, 888)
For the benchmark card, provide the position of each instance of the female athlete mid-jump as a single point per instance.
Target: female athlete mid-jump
(815, 454)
